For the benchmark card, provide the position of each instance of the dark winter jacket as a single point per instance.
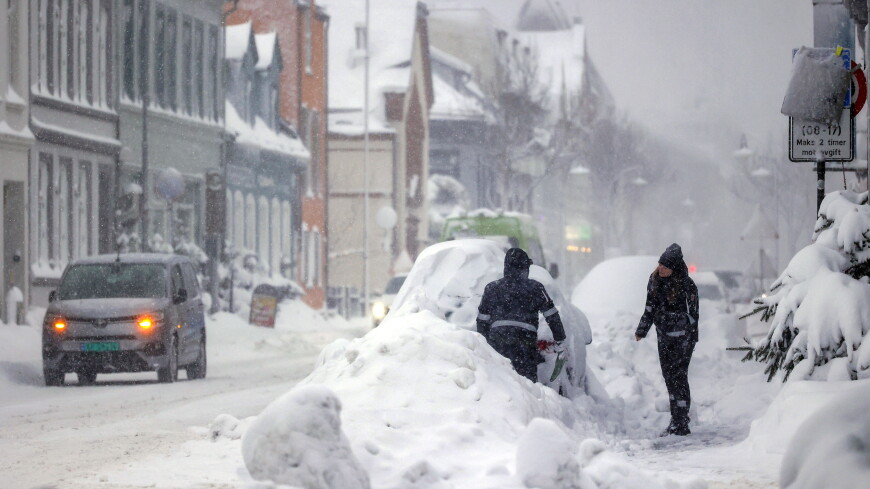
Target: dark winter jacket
(671, 302)
(515, 300)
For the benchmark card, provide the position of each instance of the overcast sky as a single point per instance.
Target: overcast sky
(677, 65)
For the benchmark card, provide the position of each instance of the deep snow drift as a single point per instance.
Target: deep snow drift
(427, 403)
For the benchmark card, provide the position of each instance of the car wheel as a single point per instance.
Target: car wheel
(86, 377)
(169, 373)
(53, 377)
(196, 370)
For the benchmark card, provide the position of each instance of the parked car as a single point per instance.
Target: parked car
(381, 305)
(125, 313)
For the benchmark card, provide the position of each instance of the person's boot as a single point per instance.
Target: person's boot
(681, 422)
(669, 430)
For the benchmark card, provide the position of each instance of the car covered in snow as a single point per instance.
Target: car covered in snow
(448, 280)
(125, 313)
(381, 305)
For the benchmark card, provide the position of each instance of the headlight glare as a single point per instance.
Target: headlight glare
(379, 310)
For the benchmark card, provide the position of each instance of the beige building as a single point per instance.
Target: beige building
(400, 96)
(16, 140)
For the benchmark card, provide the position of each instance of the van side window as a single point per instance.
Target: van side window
(190, 280)
(177, 281)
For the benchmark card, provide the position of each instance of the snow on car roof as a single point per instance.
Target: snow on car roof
(161, 258)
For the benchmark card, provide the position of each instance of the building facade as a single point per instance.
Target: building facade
(171, 112)
(400, 97)
(74, 118)
(301, 27)
(16, 141)
(265, 164)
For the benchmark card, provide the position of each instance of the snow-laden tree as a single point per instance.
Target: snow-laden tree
(819, 308)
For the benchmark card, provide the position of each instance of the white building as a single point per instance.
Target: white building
(15, 143)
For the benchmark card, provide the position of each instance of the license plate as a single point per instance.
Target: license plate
(101, 346)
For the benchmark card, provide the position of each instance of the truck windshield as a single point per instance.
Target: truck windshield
(113, 280)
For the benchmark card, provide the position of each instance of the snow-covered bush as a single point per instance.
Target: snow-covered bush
(297, 440)
(819, 308)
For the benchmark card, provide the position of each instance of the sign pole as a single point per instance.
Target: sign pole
(820, 184)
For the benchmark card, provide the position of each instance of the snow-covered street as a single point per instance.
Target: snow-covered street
(74, 437)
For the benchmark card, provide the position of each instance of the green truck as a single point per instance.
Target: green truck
(510, 230)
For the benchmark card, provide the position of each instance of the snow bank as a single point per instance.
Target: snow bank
(448, 280)
(832, 445)
(297, 440)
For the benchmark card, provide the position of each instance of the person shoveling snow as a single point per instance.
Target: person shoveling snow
(508, 317)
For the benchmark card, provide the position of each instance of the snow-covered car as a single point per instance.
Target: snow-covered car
(125, 313)
(712, 290)
(381, 305)
(448, 280)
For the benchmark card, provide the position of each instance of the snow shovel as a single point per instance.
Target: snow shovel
(561, 358)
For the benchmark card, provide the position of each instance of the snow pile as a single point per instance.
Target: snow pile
(820, 305)
(833, 445)
(448, 280)
(297, 440)
(430, 404)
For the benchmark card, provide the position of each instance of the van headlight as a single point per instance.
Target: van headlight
(379, 310)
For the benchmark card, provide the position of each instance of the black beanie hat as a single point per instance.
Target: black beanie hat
(517, 259)
(672, 257)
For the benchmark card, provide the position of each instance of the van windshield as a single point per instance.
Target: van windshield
(113, 280)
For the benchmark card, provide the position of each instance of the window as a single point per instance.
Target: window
(361, 36)
(51, 48)
(142, 69)
(314, 149)
(306, 256)
(45, 203)
(170, 81)
(177, 281)
(64, 212)
(82, 200)
(187, 65)
(101, 85)
(190, 280)
(160, 56)
(214, 66)
(126, 280)
(166, 23)
(307, 22)
(63, 47)
(239, 220)
(129, 51)
(250, 222)
(263, 231)
(317, 258)
(275, 236)
(198, 74)
(286, 232)
(13, 44)
(81, 61)
(231, 231)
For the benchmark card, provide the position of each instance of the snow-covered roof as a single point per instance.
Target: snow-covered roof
(452, 104)
(262, 135)
(391, 36)
(450, 60)
(266, 44)
(237, 40)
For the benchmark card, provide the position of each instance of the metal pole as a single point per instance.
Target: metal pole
(366, 168)
(146, 100)
(832, 27)
(820, 184)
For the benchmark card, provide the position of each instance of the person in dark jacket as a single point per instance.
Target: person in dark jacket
(508, 315)
(672, 305)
